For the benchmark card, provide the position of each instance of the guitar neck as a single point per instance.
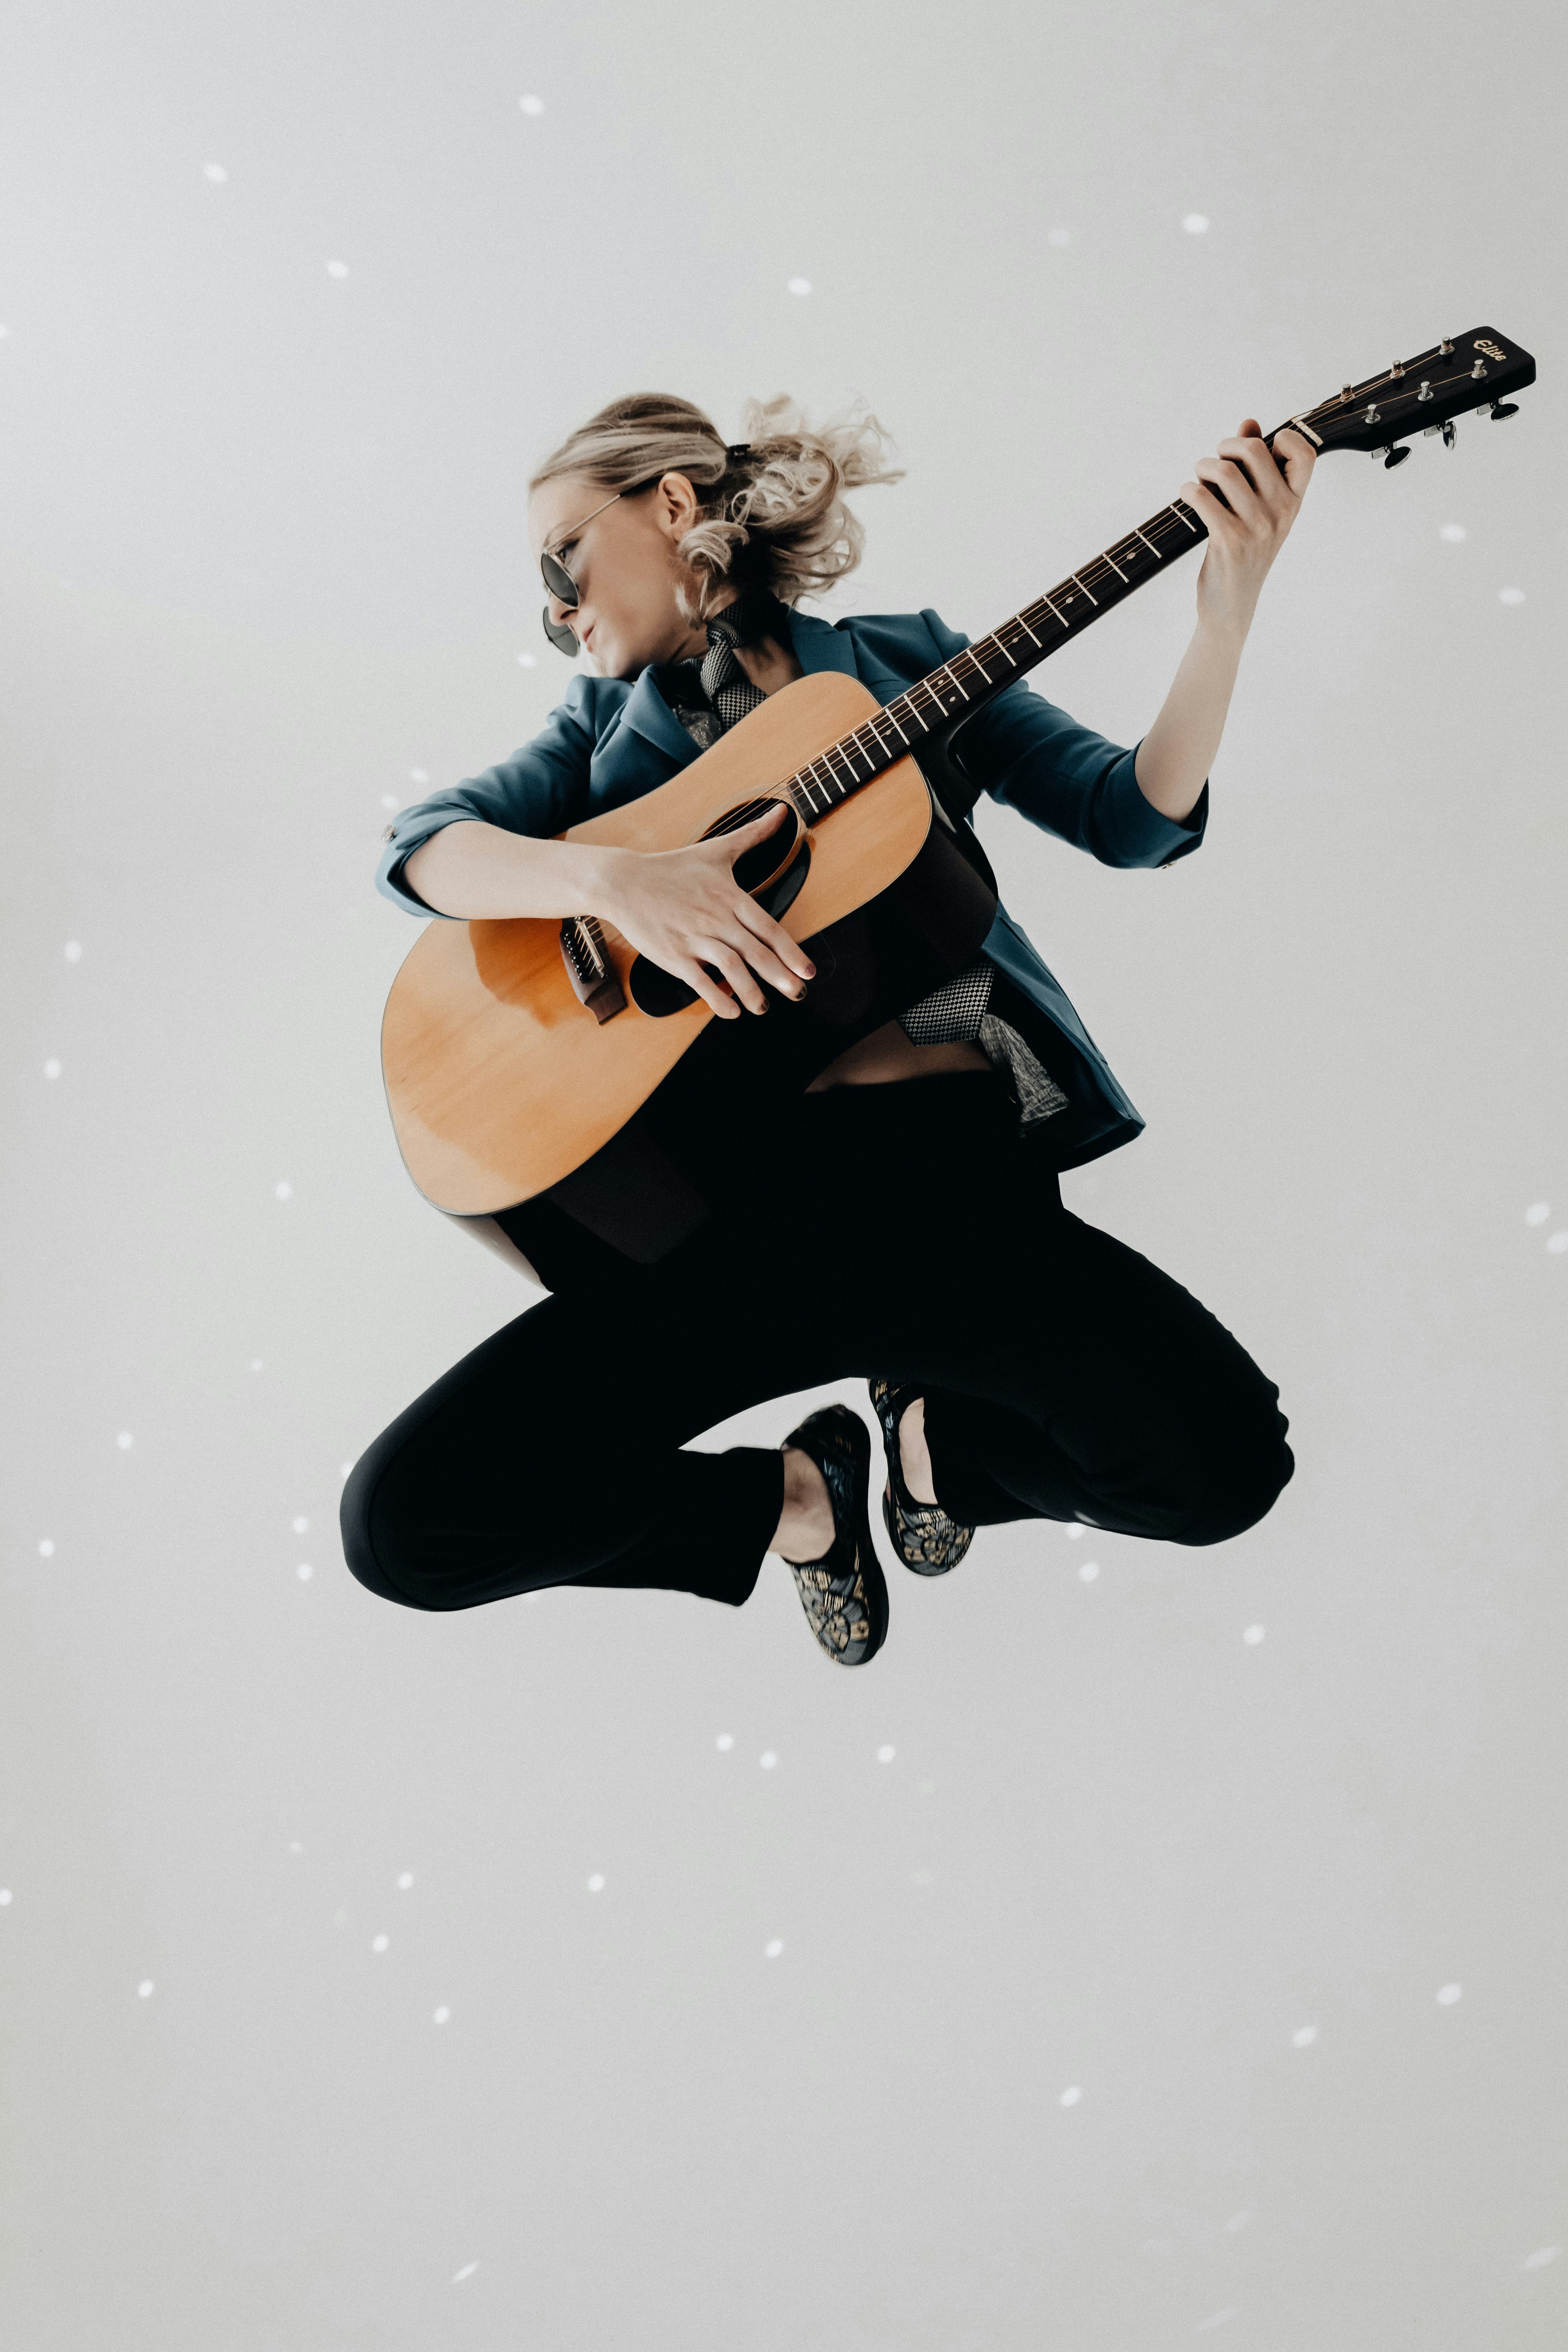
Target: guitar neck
(962, 684)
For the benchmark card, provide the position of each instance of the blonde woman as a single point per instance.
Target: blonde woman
(1021, 1363)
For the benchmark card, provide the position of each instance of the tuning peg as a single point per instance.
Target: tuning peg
(1392, 457)
(1501, 408)
(1450, 433)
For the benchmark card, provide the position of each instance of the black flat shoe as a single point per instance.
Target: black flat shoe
(845, 1593)
(922, 1535)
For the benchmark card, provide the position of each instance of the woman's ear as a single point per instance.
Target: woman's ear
(676, 506)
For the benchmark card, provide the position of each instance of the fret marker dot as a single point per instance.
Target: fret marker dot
(800, 285)
(47, 1549)
(1511, 595)
(1454, 532)
(1538, 1213)
(1195, 223)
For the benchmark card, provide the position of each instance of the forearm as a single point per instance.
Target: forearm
(1175, 756)
(478, 870)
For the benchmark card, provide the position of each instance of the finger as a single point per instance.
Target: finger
(716, 997)
(1227, 480)
(769, 968)
(1300, 457)
(1212, 510)
(791, 956)
(732, 966)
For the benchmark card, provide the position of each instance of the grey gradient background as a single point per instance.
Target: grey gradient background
(263, 557)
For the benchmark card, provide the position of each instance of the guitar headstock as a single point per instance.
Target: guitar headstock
(1463, 374)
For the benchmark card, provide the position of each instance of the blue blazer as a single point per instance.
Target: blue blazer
(609, 742)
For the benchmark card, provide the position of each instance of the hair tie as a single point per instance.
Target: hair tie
(738, 449)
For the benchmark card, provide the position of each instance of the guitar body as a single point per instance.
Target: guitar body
(503, 1086)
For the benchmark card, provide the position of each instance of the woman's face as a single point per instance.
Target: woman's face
(625, 565)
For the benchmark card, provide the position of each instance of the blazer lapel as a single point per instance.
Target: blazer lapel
(648, 715)
(819, 646)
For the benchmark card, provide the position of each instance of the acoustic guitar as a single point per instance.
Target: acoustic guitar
(563, 1096)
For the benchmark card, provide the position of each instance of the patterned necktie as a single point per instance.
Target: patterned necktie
(723, 693)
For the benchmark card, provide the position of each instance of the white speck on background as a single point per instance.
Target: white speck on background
(73, 951)
(1448, 1994)
(1216, 2319)
(295, 1846)
(528, 661)
(466, 2272)
(596, 1884)
(258, 1364)
(771, 1951)
(404, 1880)
(886, 1755)
(46, 1548)
(1195, 223)
(1239, 2220)
(125, 1440)
(1059, 236)
(379, 1943)
(1540, 2257)
(1071, 2095)
(1253, 1636)
(1454, 532)
(1511, 595)
(921, 1877)
(390, 799)
(1558, 1243)
(300, 1523)
(343, 1469)
(799, 285)
(1304, 2036)
(417, 776)
(304, 1571)
(51, 1068)
(215, 172)
(440, 2016)
(1089, 1571)
(144, 1989)
(1073, 1533)
(725, 1742)
(4, 1895)
(283, 1191)
(531, 105)
(1538, 1213)
(337, 269)
(768, 1759)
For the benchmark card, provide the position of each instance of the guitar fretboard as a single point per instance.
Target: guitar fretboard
(971, 677)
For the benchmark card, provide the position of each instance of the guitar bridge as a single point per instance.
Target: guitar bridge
(589, 968)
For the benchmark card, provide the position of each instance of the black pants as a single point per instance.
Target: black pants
(905, 1229)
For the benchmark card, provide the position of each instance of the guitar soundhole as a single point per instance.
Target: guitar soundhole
(658, 993)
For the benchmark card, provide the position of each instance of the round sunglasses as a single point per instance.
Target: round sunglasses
(559, 583)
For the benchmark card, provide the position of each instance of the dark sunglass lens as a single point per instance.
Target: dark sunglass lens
(562, 639)
(558, 581)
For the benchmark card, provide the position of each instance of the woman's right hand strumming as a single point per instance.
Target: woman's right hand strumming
(681, 908)
(684, 909)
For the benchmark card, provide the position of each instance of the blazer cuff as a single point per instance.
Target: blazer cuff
(389, 878)
(1146, 836)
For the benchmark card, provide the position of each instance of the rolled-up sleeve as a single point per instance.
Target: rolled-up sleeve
(541, 790)
(1030, 756)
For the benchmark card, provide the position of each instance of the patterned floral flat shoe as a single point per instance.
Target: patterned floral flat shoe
(845, 1593)
(922, 1535)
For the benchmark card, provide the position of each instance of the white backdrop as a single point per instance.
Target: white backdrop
(315, 2035)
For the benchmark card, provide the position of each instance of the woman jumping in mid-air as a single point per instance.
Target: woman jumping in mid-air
(1022, 1364)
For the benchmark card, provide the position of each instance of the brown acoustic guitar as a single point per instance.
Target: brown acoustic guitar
(546, 1083)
